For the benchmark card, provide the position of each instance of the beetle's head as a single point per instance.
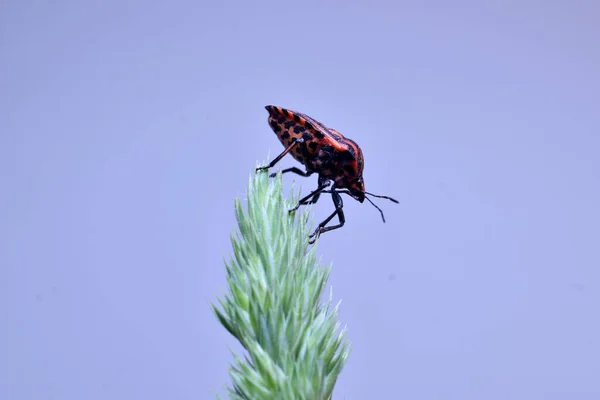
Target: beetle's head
(357, 190)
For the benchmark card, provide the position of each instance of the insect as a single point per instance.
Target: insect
(336, 159)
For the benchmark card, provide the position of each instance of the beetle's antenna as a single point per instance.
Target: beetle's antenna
(346, 191)
(375, 205)
(381, 197)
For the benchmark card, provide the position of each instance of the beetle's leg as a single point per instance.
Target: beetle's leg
(317, 195)
(314, 194)
(279, 157)
(295, 170)
(339, 205)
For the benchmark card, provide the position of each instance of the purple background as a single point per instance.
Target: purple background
(128, 128)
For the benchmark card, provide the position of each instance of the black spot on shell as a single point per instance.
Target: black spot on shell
(327, 148)
(289, 124)
(276, 127)
(326, 156)
(346, 156)
(313, 145)
(307, 136)
(299, 128)
(281, 119)
(319, 134)
(351, 147)
(349, 170)
(285, 135)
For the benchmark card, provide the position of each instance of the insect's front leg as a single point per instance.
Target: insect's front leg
(339, 205)
(314, 195)
(322, 182)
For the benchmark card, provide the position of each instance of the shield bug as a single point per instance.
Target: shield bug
(337, 160)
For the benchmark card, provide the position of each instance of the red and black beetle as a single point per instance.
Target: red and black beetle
(325, 151)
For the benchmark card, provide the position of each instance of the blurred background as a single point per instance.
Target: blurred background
(127, 128)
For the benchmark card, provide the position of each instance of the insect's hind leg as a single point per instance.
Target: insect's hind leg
(279, 157)
(339, 211)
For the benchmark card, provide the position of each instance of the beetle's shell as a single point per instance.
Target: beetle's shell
(323, 150)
